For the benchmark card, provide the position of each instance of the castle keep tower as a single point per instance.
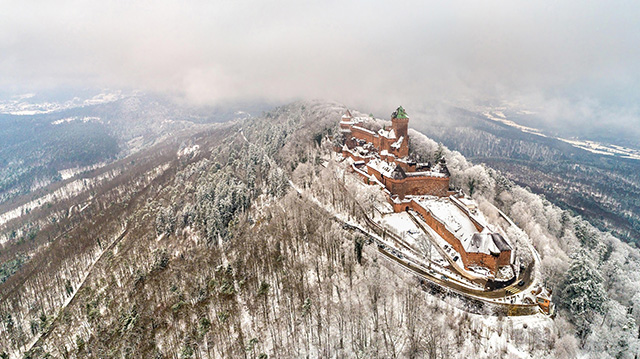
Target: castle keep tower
(400, 123)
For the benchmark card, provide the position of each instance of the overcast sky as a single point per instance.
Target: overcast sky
(578, 58)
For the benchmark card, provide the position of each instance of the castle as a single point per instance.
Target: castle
(385, 154)
(383, 157)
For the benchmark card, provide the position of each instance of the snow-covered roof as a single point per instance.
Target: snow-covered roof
(406, 160)
(426, 173)
(459, 223)
(468, 202)
(385, 168)
(364, 129)
(362, 151)
(388, 169)
(355, 166)
(347, 119)
(470, 207)
(487, 243)
(439, 167)
(388, 134)
(542, 292)
(398, 143)
(359, 151)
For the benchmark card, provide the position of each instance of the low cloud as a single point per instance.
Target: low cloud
(574, 58)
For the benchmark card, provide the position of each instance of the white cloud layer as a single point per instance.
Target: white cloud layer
(363, 53)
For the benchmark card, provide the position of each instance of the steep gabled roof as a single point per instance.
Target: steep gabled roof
(398, 173)
(488, 243)
(500, 242)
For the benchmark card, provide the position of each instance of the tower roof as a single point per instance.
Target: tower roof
(400, 113)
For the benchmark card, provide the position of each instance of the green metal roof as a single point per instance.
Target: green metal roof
(400, 113)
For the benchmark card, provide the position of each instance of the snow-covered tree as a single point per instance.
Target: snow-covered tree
(277, 182)
(583, 295)
(520, 241)
(566, 347)
(614, 333)
(166, 220)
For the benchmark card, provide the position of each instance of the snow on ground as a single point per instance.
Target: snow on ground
(591, 146)
(97, 255)
(135, 144)
(604, 149)
(427, 256)
(495, 333)
(533, 323)
(20, 105)
(498, 116)
(188, 150)
(72, 119)
(401, 224)
(67, 191)
(448, 249)
(70, 172)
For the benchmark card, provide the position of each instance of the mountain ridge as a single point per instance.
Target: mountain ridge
(221, 258)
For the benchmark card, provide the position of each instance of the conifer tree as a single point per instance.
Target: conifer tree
(583, 295)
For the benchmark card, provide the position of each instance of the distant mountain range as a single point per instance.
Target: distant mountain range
(597, 180)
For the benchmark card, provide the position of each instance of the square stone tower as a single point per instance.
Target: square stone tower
(400, 124)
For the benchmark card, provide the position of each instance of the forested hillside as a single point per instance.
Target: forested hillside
(603, 189)
(43, 148)
(199, 247)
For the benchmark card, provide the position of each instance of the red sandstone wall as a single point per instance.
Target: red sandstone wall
(365, 178)
(436, 186)
(484, 260)
(403, 151)
(442, 231)
(468, 259)
(382, 143)
(504, 259)
(399, 207)
(489, 261)
(355, 157)
(401, 127)
(367, 136)
(377, 174)
(405, 166)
